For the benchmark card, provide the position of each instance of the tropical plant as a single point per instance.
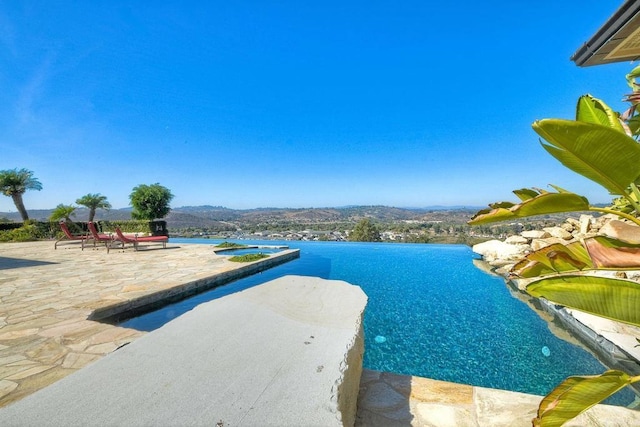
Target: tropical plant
(94, 202)
(595, 145)
(63, 212)
(14, 183)
(601, 146)
(365, 231)
(150, 201)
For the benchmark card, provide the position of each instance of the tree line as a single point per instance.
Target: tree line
(149, 202)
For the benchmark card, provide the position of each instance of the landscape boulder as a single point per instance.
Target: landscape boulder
(538, 244)
(586, 222)
(535, 234)
(621, 230)
(558, 232)
(496, 250)
(516, 240)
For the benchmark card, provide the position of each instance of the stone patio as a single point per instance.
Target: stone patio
(47, 297)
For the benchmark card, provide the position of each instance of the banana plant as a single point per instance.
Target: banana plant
(607, 297)
(563, 281)
(599, 145)
(535, 201)
(577, 394)
(553, 259)
(614, 299)
(594, 253)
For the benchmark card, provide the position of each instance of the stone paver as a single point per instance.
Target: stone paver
(47, 297)
(401, 400)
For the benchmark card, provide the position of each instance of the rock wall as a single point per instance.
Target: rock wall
(503, 255)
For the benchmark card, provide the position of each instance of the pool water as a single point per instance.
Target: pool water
(430, 313)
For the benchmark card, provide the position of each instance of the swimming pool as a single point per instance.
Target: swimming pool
(430, 313)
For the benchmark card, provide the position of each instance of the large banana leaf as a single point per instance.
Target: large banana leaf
(600, 153)
(577, 394)
(614, 299)
(555, 258)
(543, 203)
(600, 252)
(607, 252)
(527, 193)
(593, 110)
(631, 78)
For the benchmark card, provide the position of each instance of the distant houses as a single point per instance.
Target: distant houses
(307, 235)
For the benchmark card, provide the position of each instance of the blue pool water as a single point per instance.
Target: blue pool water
(430, 313)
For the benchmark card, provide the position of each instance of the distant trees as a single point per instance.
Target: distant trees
(150, 201)
(14, 183)
(93, 202)
(365, 231)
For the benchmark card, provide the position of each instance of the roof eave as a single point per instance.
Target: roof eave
(590, 53)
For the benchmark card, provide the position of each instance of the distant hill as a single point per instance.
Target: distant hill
(219, 217)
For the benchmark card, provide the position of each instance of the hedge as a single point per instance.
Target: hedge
(40, 230)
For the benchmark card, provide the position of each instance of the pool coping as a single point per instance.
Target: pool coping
(115, 313)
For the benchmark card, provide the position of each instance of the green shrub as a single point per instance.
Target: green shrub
(248, 257)
(230, 245)
(27, 233)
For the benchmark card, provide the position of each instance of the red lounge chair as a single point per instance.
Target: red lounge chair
(98, 237)
(137, 239)
(69, 236)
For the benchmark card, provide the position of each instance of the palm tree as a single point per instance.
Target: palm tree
(63, 212)
(93, 202)
(14, 183)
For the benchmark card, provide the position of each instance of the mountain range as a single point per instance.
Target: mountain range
(218, 216)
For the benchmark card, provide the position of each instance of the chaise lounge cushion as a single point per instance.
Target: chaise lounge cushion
(134, 240)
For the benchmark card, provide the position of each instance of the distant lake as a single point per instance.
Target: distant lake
(431, 313)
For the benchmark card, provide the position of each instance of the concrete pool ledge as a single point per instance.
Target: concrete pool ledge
(287, 352)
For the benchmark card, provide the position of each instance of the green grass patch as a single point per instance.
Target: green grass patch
(248, 257)
(230, 245)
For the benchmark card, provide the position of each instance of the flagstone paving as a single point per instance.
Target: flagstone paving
(47, 297)
(392, 400)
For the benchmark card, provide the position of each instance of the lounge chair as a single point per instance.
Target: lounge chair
(70, 236)
(98, 237)
(134, 240)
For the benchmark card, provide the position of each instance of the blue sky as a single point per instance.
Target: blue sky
(250, 104)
